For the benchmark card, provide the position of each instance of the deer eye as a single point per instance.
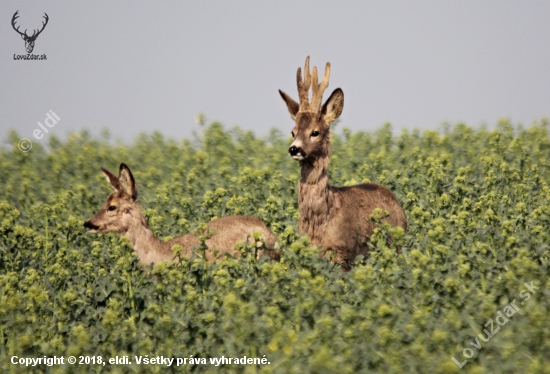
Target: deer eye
(292, 133)
(315, 133)
(112, 207)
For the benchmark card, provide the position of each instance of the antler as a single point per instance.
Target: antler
(303, 86)
(15, 16)
(35, 34)
(317, 89)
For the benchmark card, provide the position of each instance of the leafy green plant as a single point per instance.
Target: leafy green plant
(478, 204)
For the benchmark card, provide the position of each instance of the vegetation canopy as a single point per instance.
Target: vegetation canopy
(478, 207)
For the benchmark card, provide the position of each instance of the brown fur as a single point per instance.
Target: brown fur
(336, 218)
(127, 219)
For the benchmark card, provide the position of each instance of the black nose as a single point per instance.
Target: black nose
(90, 226)
(293, 151)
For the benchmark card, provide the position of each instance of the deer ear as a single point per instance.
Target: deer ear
(293, 106)
(127, 182)
(333, 107)
(112, 179)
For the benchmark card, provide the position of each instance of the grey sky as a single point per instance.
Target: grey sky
(145, 66)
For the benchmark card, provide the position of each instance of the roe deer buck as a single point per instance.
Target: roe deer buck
(122, 213)
(336, 218)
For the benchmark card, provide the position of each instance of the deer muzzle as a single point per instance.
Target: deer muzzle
(90, 226)
(296, 153)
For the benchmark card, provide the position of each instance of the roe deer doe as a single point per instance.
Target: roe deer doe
(122, 213)
(336, 218)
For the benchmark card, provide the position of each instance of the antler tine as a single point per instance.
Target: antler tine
(319, 89)
(303, 85)
(314, 90)
(300, 83)
(307, 76)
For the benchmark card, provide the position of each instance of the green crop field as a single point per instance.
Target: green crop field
(469, 291)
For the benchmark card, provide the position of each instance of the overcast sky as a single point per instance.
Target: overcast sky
(144, 66)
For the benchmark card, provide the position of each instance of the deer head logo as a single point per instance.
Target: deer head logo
(29, 40)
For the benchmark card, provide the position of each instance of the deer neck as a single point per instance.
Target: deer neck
(315, 198)
(147, 247)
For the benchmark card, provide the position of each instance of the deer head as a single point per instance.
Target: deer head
(311, 133)
(29, 40)
(121, 210)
